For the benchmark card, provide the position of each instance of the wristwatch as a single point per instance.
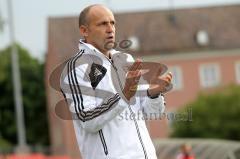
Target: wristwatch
(155, 96)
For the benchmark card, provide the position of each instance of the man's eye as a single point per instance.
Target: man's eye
(104, 23)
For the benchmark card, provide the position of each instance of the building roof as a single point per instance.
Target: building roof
(160, 32)
(168, 31)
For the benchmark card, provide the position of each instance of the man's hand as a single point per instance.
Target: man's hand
(159, 84)
(133, 76)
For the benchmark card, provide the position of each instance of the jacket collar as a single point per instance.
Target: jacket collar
(94, 50)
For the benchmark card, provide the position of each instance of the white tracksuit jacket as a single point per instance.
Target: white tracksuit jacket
(106, 126)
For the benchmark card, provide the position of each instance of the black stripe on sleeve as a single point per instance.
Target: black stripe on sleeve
(77, 95)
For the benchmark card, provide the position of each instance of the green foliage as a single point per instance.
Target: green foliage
(214, 116)
(5, 146)
(34, 102)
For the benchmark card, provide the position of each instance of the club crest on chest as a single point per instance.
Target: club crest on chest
(96, 74)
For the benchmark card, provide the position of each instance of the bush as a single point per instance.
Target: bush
(214, 116)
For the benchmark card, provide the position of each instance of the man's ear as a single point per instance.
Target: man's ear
(83, 31)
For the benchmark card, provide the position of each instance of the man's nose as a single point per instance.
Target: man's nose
(110, 28)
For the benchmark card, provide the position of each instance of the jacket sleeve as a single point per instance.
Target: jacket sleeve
(84, 101)
(153, 108)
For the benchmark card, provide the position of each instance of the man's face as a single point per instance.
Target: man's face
(101, 28)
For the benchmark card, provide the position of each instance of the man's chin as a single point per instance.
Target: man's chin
(109, 45)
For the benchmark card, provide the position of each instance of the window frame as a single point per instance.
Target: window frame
(209, 84)
(179, 75)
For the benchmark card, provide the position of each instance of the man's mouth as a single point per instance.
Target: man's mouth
(110, 37)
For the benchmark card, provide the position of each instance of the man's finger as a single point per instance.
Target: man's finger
(163, 81)
(168, 77)
(136, 65)
(133, 88)
(170, 74)
(133, 74)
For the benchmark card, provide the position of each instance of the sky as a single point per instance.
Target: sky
(31, 16)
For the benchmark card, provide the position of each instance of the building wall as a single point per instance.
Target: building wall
(190, 65)
(63, 139)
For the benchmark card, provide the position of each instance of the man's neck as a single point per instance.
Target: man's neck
(106, 53)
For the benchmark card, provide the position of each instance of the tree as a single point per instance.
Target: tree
(214, 116)
(34, 102)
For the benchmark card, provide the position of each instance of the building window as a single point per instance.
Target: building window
(209, 75)
(237, 71)
(177, 77)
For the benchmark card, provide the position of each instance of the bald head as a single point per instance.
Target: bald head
(84, 17)
(97, 27)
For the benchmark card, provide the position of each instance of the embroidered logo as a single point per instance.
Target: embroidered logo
(96, 74)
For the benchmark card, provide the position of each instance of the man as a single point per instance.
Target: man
(99, 93)
(186, 152)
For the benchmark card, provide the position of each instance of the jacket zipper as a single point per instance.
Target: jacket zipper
(130, 109)
(103, 142)
(102, 138)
